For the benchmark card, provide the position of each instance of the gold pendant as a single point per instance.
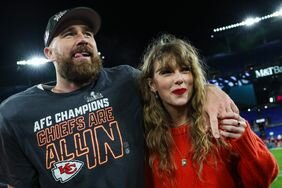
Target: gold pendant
(183, 162)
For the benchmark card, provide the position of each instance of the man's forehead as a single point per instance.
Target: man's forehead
(72, 24)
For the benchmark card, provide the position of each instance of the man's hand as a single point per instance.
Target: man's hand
(218, 103)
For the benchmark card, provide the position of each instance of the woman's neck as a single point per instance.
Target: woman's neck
(179, 116)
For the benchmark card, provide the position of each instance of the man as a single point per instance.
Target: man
(85, 129)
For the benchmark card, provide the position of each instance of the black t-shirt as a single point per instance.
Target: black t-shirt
(92, 137)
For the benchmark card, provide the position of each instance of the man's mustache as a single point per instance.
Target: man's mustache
(82, 49)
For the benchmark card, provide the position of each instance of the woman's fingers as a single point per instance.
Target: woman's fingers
(232, 128)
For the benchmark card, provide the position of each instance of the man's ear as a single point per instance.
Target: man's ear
(152, 85)
(47, 52)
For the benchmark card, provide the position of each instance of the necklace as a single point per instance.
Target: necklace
(183, 159)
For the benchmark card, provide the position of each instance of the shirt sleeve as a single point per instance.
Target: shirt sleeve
(257, 166)
(15, 169)
(135, 73)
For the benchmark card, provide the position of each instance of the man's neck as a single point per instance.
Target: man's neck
(64, 86)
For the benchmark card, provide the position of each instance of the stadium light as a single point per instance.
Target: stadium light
(271, 133)
(34, 61)
(249, 21)
(37, 61)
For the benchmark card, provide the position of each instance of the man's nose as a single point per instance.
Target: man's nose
(82, 38)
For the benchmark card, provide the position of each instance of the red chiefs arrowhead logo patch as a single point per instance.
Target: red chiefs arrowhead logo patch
(63, 171)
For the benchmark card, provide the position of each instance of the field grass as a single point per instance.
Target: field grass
(277, 152)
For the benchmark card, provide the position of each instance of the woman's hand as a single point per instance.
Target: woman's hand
(232, 125)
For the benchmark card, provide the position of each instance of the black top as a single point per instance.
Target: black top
(92, 137)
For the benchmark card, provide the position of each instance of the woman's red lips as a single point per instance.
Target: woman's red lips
(179, 91)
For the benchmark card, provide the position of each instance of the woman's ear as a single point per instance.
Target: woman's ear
(152, 85)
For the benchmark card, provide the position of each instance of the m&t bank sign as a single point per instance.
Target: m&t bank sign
(268, 71)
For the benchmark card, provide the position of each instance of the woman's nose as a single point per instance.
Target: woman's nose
(179, 79)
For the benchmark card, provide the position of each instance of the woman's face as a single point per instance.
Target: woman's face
(173, 83)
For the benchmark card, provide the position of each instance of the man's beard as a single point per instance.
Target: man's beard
(79, 72)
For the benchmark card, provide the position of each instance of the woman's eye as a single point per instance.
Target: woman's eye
(165, 72)
(186, 69)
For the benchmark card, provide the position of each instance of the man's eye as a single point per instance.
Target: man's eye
(89, 34)
(68, 34)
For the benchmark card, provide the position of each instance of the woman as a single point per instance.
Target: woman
(181, 149)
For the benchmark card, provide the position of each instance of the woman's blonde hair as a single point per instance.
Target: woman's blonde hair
(156, 119)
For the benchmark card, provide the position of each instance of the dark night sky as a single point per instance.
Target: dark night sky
(126, 27)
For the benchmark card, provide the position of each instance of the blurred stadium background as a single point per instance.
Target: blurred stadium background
(247, 64)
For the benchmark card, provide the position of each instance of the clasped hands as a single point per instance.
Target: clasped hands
(222, 115)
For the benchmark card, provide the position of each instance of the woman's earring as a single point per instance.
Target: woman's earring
(156, 95)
